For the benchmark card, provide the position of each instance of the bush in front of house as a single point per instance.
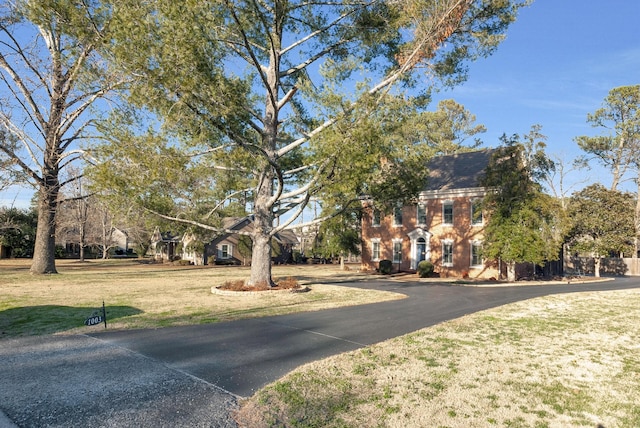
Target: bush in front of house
(425, 268)
(227, 262)
(385, 267)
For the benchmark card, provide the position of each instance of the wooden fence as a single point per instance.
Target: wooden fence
(609, 266)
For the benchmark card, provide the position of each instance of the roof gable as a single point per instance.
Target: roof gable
(236, 223)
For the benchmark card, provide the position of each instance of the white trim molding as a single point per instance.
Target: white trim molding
(471, 192)
(415, 235)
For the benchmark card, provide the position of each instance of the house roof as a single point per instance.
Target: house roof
(458, 171)
(235, 223)
(287, 237)
(239, 223)
(163, 236)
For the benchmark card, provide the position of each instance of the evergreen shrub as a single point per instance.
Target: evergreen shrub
(385, 267)
(425, 268)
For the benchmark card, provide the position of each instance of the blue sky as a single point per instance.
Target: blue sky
(558, 63)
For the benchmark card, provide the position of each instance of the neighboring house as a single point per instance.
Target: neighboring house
(192, 249)
(227, 248)
(164, 246)
(121, 240)
(444, 226)
(234, 248)
(167, 247)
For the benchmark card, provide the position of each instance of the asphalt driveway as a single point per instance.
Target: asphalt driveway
(193, 376)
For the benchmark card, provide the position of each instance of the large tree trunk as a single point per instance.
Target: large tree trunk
(261, 260)
(511, 271)
(44, 251)
(597, 262)
(263, 205)
(261, 236)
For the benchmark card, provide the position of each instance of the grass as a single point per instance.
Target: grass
(139, 295)
(557, 361)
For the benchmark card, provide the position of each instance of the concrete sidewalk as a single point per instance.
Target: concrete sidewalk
(76, 381)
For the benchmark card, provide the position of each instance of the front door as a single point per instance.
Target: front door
(421, 250)
(420, 246)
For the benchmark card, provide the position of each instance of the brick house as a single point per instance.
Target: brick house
(445, 224)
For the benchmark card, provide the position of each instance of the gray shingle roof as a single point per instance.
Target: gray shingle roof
(459, 171)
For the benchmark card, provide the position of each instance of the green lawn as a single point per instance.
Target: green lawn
(143, 295)
(558, 361)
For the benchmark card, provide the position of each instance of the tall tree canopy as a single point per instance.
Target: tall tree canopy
(50, 76)
(618, 149)
(524, 224)
(290, 100)
(601, 222)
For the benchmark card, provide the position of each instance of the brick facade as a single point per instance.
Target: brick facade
(448, 229)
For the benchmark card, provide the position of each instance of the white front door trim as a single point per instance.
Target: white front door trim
(414, 235)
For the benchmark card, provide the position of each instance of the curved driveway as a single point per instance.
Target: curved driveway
(192, 376)
(242, 356)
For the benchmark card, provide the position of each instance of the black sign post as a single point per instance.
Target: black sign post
(96, 318)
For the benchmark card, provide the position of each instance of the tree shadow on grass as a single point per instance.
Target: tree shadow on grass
(334, 280)
(49, 319)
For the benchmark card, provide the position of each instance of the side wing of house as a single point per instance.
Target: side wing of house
(286, 242)
(121, 239)
(229, 248)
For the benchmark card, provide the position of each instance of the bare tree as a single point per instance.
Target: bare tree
(51, 75)
(561, 180)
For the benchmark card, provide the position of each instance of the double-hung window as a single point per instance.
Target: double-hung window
(375, 249)
(447, 253)
(397, 216)
(224, 251)
(447, 212)
(421, 214)
(476, 253)
(375, 217)
(476, 213)
(397, 250)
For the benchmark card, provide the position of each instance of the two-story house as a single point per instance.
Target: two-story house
(445, 224)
